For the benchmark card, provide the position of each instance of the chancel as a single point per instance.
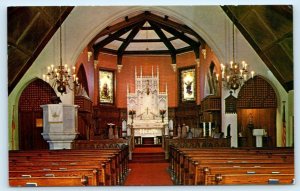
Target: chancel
(156, 95)
(147, 101)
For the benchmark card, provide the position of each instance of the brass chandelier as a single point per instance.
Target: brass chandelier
(62, 75)
(234, 74)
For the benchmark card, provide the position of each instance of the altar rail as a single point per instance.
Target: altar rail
(195, 143)
(105, 143)
(99, 144)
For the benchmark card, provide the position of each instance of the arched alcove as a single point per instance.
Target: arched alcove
(36, 93)
(81, 74)
(256, 109)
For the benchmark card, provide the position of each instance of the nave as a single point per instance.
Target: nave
(150, 95)
(148, 167)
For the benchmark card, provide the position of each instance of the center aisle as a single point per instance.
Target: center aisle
(147, 168)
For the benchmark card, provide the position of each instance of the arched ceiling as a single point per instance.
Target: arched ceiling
(147, 33)
(268, 29)
(28, 31)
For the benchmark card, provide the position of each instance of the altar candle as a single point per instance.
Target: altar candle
(209, 129)
(252, 74)
(128, 131)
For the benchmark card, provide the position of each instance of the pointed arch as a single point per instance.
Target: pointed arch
(256, 109)
(81, 74)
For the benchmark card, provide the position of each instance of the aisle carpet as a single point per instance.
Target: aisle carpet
(148, 174)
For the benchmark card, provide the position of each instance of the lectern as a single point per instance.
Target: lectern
(259, 133)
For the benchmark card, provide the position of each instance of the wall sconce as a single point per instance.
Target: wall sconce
(204, 53)
(174, 66)
(95, 64)
(90, 54)
(119, 66)
(198, 62)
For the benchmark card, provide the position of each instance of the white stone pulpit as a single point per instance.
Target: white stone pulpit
(259, 133)
(59, 125)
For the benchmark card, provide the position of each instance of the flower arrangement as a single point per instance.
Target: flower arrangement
(162, 112)
(132, 112)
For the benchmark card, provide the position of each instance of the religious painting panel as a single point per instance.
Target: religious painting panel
(106, 87)
(188, 84)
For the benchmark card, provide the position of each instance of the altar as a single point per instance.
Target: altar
(147, 106)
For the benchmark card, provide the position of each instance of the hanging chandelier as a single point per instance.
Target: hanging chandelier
(62, 76)
(234, 74)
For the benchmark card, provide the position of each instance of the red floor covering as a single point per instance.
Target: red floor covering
(148, 174)
(148, 150)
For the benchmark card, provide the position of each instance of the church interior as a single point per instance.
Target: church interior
(150, 95)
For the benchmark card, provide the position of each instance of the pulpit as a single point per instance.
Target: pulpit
(259, 133)
(59, 125)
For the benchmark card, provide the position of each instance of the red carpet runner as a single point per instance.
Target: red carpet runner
(148, 173)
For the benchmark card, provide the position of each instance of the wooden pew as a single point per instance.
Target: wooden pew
(233, 179)
(186, 163)
(121, 166)
(52, 181)
(71, 159)
(212, 170)
(95, 174)
(103, 166)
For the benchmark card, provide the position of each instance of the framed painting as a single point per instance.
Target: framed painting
(188, 84)
(106, 86)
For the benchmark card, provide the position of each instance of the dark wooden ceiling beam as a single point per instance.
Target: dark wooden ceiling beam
(127, 22)
(109, 39)
(146, 28)
(107, 50)
(153, 52)
(129, 38)
(185, 49)
(148, 40)
(195, 45)
(112, 37)
(183, 28)
(179, 35)
(165, 40)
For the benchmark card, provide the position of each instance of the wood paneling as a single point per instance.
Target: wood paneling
(84, 117)
(103, 115)
(256, 105)
(262, 119)
(37, 93)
